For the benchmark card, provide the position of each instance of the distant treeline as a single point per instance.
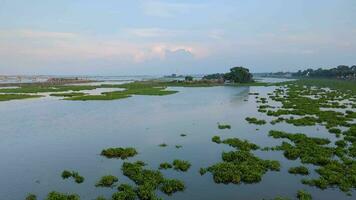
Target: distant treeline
(339, 72)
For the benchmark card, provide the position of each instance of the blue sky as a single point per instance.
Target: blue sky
(116, 37)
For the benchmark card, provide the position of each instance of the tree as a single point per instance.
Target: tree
(188, 78)
(238, 75)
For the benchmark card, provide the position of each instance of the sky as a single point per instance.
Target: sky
(152, 37)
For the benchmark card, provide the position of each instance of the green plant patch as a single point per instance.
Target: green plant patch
(304, 195)
(119, 152)
(181, 165)
(165, 165)
(224, 126)
(126, 192)
(253, 120)
(240, 166)
(308, 149)
(61, 196)
(68, 94)
(170, 186)
(163, 145)
(299, 170)
(31, 197)
(107, 181)
(75, 175)
(8, 97)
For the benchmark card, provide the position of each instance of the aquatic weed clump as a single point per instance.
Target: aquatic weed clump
(126, 192)
(224, 126)
(304, 195)
(335, 173)
(181, 165)
(61, 196)
(119, 152)
(170, 186)
(165, 165)
(67, 174)
(31, 197)
(299, 170)
(308, 149)
(240, 166)
(253, 120)
(149, 180)
(107, 181)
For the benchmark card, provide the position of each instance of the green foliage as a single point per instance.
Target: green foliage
(107, 181)
(188, 78)
(62, 196)
(238, 75)
(299, 170)
(304, 195)
(240, 166)
(126, 192)
(165, 165)
(163, 145)
(69, 94)
(67, 174)
(170, 186)
(253, 120)
(8, 97)
(335, 173)
(119, 152)
(31, 197)
(216, 139)
(224, 126)
(181, 165)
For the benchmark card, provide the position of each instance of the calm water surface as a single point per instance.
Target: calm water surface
(42, 137)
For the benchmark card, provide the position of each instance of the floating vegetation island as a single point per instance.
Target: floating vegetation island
(119, 152)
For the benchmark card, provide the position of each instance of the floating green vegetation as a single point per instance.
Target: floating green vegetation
(119, 152)
(69, 94)
(183, 135)
(179, 146)
(335, 173)
(31, 197)
(107, 181)
(216, 139)
(304, 121)
(181, 165)
(8, 97)
(149, 180)
(126, 192)
(134, 88)
(165, 165)
(61, 196)
(308, 149)
(278, 120)
(240, 166)
(236, 143)
(299, 170)
(224, 126)
(170, 186)
(304, 195)
(163, 145)
(253, 120)
(67, 174)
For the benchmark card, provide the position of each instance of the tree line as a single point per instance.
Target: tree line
(339, 72)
